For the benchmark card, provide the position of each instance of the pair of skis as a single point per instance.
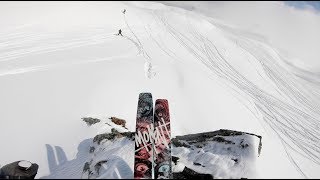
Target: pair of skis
(152, 139)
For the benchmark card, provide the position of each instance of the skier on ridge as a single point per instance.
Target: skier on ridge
(119, 33)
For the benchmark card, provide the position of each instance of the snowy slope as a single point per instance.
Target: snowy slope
(60, 61)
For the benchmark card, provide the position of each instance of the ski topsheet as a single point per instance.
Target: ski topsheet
(162, 141)
(143, 161)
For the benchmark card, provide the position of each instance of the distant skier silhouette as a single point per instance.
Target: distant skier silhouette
(119, 33)
(124, 11)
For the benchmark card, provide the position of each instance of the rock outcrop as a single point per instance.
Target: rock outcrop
(118, 121)
(90, 121)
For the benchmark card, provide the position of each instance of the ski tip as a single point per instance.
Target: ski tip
(145, 94)
(162, 101)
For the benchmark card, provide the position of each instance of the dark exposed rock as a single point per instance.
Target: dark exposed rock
(218, 136)
(114, 131)
(188, 173)
(235, 160)
(98, 166)
(199, 145)
(260, 145)
(201, 137)
(111, 136)
(98, 138)
(174, 159)
(92, 149)
(90, 121)
(243, 145)
(226, 132)
(130, 135)
(118, 121)
(179, 143)
(86, 167)
(221, 139)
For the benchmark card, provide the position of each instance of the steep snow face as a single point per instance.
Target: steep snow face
(64, 62)
(292, 30)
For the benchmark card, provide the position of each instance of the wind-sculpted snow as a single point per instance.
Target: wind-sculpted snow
(63, 61)
(293, 112)
(18, 44)
(17, 48)
(149, 71)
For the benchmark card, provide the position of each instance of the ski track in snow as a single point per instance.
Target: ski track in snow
(46, 67)
(296, 123)
(17, 45)
(293, 113)
(14, 46)
(149, 71)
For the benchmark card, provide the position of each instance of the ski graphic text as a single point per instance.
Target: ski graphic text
(157, 135)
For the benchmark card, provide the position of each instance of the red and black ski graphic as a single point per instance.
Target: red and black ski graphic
(162, 141)
(143, 161)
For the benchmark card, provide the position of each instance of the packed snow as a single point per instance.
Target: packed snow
(61, 61)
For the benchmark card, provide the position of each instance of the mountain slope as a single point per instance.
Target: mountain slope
(67, 63)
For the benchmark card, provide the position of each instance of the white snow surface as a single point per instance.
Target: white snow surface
(61, 61)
